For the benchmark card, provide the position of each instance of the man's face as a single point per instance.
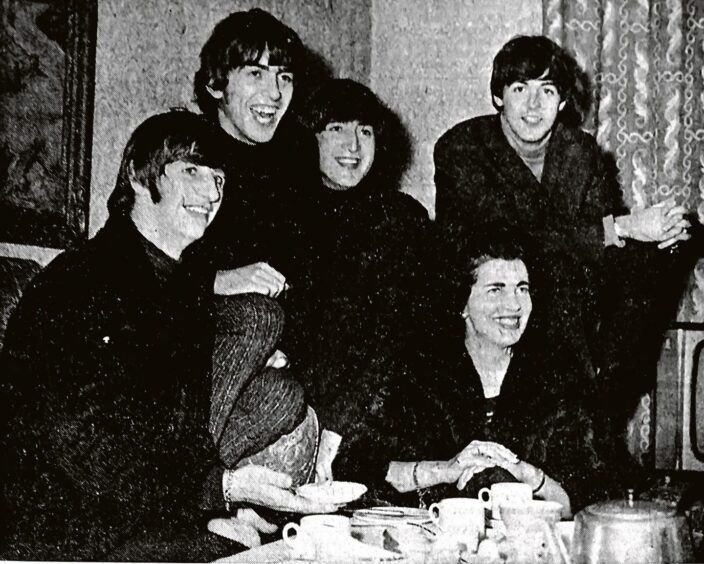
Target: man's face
(254, 101)
(346, 153)
(190, 198)
(499, 303)
(530, 109)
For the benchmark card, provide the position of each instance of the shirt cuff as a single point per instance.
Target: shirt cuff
(611, 238)
(228, 480)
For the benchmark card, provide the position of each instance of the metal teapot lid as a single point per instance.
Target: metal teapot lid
(630, 510)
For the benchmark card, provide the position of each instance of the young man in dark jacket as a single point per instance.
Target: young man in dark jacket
(105, 394)
(249, 68)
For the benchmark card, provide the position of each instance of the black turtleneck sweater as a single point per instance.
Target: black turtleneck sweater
(358, 309)
(264, 199)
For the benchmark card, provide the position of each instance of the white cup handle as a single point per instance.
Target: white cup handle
(286, 534)
(485, 493)
(434, 513)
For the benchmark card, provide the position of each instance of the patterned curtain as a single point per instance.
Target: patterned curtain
(646, 61)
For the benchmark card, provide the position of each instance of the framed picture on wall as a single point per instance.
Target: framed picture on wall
(47, 81)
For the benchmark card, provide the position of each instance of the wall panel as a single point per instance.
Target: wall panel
(431, 62)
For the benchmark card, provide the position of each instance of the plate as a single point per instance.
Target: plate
(332, 492)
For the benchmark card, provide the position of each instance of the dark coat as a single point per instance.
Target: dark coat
(105, 402)
(445, 410)
(479, 177)
(435, 407)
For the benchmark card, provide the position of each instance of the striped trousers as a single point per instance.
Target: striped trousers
(251, 405)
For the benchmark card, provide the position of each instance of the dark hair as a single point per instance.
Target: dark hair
(342, 99)
(470, 250)
(160, 140)
(527, 57)
(238, 40)
(345, 100)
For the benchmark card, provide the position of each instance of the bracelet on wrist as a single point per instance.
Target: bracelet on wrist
(541, 483)
(420, 491)
(416, 484)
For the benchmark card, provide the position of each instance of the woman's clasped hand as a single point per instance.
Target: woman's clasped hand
(480, 455)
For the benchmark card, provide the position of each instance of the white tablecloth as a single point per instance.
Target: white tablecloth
(276, 552)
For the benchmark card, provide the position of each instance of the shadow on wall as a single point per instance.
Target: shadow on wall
(318, 70)
(400, 154)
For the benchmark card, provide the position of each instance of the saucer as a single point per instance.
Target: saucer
(335, 493)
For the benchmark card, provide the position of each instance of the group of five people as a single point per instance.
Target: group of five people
(145, 387)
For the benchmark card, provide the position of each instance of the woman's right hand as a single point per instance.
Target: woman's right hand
(477, 456)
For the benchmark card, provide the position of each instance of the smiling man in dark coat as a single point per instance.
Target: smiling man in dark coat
(105, 390)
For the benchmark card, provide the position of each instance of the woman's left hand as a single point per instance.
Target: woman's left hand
(524, 472)
(478, 464)
(477, 456)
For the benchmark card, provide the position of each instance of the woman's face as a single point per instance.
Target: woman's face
(499, 303)
(346, 153)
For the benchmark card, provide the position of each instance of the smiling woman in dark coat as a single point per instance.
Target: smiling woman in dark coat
(491, 391)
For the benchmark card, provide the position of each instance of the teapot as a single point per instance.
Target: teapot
(622, 531)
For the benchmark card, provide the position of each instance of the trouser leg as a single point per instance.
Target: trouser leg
(250, 406)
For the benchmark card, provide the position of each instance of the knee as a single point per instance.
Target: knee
(253, 313)
(274, 389)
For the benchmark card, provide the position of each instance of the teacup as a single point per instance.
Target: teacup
(504, 492)
(459, 517)
(517, 514)
(315, 536)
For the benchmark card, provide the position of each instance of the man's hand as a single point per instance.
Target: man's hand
(278, 359)
(261, 486)
(682, 236)
(258, 278)
(663, 223)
